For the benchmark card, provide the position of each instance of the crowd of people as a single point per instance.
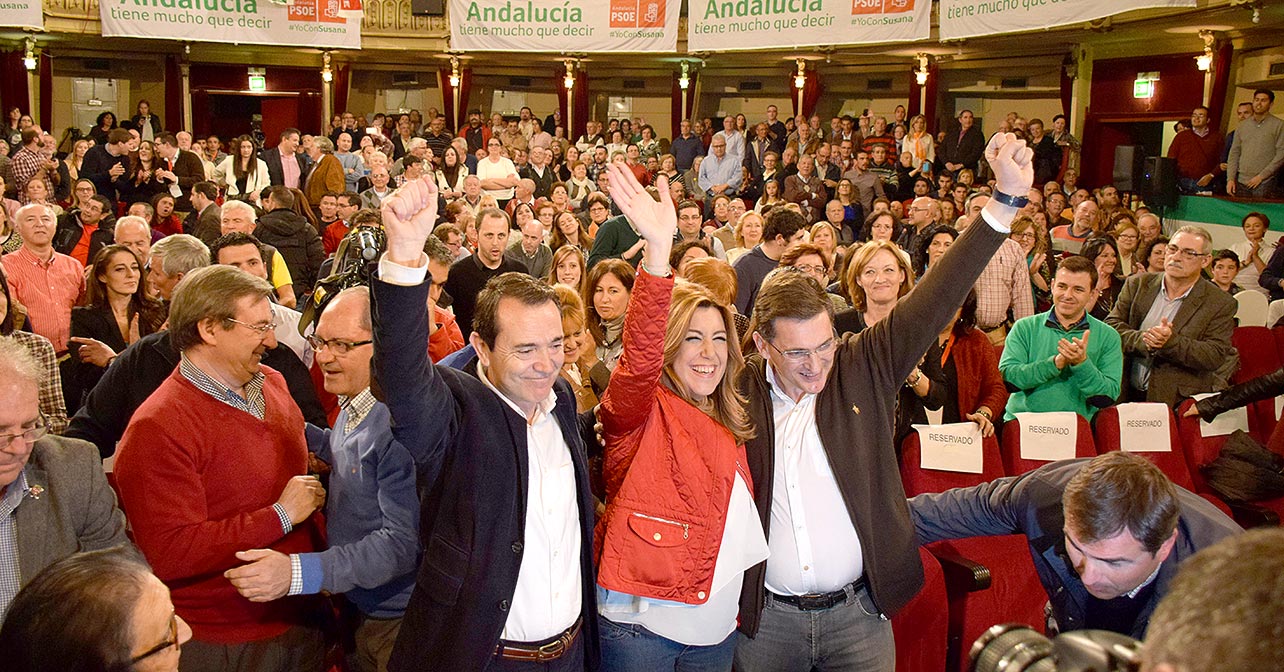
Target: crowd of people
(601, 402)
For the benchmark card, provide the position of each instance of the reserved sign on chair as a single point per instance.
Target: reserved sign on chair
(953, 447)
(1048, 437)
(1143, 428)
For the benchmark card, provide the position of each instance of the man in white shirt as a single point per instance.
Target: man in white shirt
(823, 459)
(507, 585)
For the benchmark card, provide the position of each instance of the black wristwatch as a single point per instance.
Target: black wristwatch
(1009, 199)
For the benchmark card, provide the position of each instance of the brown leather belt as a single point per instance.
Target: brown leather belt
(551, 649)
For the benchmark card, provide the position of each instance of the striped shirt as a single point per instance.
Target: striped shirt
(10, 574)
(49, 289)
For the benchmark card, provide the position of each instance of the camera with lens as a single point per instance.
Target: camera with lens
(1020, 648)
(350, 267)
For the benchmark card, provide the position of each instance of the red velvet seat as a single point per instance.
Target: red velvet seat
(1200, 450)
(922, 627)
(1014, 594)
(1010, 447)
(1258, 356)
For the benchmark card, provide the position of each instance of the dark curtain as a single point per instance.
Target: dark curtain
(465, 88)
(559, 74)
(342, 79)
(13, 81)
(581, 104)
(933, 86)
(173, 116)
(1221, 82)
(45, 70)
(812, 89)
(678, 107)
(447, 97)
(1067, 92)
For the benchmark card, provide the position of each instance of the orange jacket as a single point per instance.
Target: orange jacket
(669, 469)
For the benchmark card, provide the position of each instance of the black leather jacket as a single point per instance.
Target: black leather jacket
(1262, 387)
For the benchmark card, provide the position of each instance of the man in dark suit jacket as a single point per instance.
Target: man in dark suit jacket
(1176, 326)
(107, 165)
(275, 158)
(507, 513)
(206, 219)
(758, 146)
(54, 487)
(829, 397)
(963, 145)
(178, 168)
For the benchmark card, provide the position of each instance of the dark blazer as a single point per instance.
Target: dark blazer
(1030, 504)
(854, 415)
(272, 157)
(136, 373)
(97, 169)
(1198, 356)
(76, 512)
(966, 151)
(136, 122)
(469, 449)
(206, 224)
(189, 169)
(89, 322)
(67, 235)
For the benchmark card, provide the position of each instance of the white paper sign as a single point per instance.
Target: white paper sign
(1226, 423)
(935, 417)
(953, 447)
(1279, 406)
(1048, 437)
(1143, 428)
(970, 18)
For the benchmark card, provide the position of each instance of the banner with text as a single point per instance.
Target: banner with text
(731, 25)
(564, 25)
(22, 14)
(308, 23)
(970, 18)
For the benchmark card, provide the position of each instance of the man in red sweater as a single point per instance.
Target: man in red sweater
(1198, 153)
(214, 462)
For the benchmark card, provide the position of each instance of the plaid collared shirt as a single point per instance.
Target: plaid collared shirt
(25, 164)
(252, 403)
(358, 408)
(10, 575)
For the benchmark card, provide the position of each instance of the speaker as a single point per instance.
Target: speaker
(1128, 167)
(1159, 182)
(428, 7)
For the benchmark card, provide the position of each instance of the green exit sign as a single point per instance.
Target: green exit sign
(1143, 88)
(258, 83)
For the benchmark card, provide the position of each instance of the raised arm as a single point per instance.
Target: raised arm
(628, 399)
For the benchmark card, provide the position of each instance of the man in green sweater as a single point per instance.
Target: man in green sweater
(1064, 359)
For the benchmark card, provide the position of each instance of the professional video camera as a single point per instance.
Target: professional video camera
(350, 267)
(1019, 648)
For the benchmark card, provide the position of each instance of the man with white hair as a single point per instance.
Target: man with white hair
(134, 233)
(239, 216)
(530, 250)
(417, 148)
(48, 283)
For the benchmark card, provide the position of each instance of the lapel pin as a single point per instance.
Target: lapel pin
(36, 491)
(855, 409)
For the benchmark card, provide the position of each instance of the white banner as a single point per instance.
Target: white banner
(22, 14)
(564, 25)
(1048, 437)
(731, 25)
(1143, 428)
(307, 23)
(952, 447)
(970, 18)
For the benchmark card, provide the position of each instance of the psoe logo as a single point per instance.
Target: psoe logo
(881, 6)
(637, 13)
(325, 11)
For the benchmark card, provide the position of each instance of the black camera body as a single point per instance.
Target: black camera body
(350, 267)
(1019, 648)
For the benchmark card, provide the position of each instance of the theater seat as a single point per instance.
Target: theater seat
(1200, 450)
(989, 579)
(922, 627)
(1173, 463)
(1258, 356)
(1010, 447)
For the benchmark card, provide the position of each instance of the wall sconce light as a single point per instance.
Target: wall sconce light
(800, 78)
(29, 55)
(454, 72)
(920, 74)
(1205, 60)
(569, 80)
(684, 81)
(327, 75)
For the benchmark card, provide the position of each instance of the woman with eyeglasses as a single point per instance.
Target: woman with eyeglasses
(1032, 238)
(101, 611)
(680, 526)
(1127, 240)
(12, 321)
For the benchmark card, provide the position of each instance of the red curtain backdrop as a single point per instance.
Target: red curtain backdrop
(1067, 94)
(13, 82)
(811, 92)
(45, 70)
(559, 74)
(1221, 82)
(465, 88)
(677, 107)
(173, 117)
(581, 102)
(342, 80)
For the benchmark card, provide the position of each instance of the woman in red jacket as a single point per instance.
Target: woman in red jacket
(680, 526)
(974, 387)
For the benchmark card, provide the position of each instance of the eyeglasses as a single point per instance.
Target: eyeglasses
(1186, 254)
(29, 435)
(812, 269)
(336, 346)
(261, 329)
(1024, 235)
(172, 641)
(801, 355)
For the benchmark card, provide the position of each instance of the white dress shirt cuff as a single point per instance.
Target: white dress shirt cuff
(405, 276)
(296, 575)
(999, 216)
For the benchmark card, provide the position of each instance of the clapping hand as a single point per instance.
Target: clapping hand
(1012, 163)
(409, 215)
(1157, 336)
